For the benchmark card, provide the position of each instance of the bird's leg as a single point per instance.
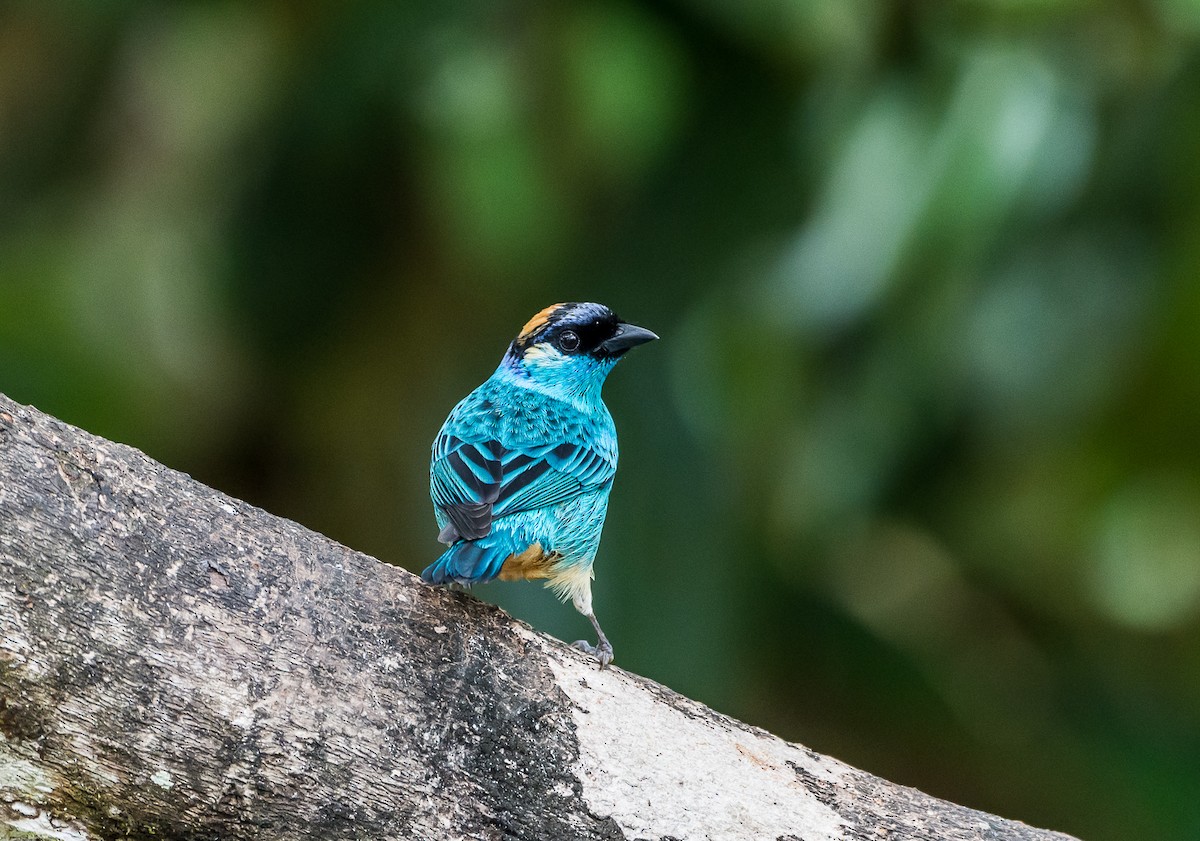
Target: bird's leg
(603, 650)
(582, 598)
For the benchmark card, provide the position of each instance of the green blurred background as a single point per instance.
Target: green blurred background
(913, 475)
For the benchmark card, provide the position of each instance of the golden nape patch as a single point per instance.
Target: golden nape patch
(532, 563)
(538, 321)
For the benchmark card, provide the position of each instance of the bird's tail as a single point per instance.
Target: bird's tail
(470, 561)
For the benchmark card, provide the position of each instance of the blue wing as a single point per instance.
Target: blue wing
(474, 482)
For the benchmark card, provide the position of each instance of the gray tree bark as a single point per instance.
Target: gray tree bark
(177, 664)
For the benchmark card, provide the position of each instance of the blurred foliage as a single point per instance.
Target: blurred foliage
(911, 478)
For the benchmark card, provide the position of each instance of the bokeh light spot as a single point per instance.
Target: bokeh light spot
(1146, 557)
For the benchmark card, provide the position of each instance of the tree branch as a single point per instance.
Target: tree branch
(175, 663)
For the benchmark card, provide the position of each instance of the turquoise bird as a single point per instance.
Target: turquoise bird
(522, 468)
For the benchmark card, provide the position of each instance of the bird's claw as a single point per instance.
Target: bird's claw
(602, 652)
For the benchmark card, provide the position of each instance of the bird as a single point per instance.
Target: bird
(521, 470)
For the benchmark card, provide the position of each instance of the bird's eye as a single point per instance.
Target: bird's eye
(568, 340)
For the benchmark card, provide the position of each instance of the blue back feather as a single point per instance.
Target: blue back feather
(470, 561)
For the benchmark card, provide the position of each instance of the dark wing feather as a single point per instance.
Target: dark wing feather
(475, 482)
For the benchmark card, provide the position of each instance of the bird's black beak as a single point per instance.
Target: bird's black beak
(627, 336)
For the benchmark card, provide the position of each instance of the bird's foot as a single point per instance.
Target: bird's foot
(602, 652)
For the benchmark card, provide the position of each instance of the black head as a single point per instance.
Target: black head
(580, 329)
